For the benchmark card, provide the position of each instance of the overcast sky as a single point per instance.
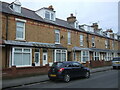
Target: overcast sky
(104, 12)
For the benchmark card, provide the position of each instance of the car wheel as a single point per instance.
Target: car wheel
(114, 67)
(66, 77)
(87, 75)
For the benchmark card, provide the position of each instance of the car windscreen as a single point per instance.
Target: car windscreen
(116, 59)
(59, 64)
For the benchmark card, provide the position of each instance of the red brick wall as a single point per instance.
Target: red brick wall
(21, 71)
(99, 63)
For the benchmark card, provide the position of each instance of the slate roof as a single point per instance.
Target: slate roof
(27, 13)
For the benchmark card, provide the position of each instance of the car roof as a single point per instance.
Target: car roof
(66, 62)
(116, 57)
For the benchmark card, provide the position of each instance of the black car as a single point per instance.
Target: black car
(67, 70)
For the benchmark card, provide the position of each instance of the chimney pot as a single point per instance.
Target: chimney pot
(51, 7)
(71, 14)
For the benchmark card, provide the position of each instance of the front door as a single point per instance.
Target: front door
(45, 59)
(37, 59)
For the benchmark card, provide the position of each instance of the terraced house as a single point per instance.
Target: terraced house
(37, 38)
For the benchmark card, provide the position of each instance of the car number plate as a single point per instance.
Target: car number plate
(53, 75)
(117, 62)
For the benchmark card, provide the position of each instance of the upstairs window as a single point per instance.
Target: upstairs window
(81, 40)
(57, 37)
(69, 38)
(16, 6)
(52, 16)
(93, 41)
(106, 43)
(20, 29)
(113, 45)
(47, 15)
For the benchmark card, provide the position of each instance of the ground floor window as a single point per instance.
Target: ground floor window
(84, 56)
(96, 56)
(60, 55)
(115, 55)
(109, 56)
(21, 57)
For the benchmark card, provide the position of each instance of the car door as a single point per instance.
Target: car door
(76, 69)
(82, 70)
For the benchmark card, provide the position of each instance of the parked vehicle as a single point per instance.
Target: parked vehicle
(67, 70)
(116, 62)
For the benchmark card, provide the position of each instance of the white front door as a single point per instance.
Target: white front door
(37, 59)
(45, 59)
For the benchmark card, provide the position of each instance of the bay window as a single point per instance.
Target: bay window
(60, 55)
(21, 57)
(96, 56)
(84, 56)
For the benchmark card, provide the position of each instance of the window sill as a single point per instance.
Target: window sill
(81, 45)
(57, 43)
(69, 44)
(20, 40)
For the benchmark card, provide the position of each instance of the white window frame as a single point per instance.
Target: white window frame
(17, 8)
(51, 15)
(47, 13)
(96, 54)
(93, 41)
(13, 51)
(106, 43)
(81, 40)
(13, 8)
(113, 45)
(23, 21)
(69, 38)
(61, 51)
(57, 32)
(85, 56)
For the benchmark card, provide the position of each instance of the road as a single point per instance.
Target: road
(106, 79)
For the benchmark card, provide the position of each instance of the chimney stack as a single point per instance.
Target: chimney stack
(51, 7)
(71, 19)
(95, 26)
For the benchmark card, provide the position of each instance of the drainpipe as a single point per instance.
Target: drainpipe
(6, 27)
(87, 40)
(6, 49)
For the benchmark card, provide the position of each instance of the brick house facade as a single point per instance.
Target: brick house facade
(37, 38)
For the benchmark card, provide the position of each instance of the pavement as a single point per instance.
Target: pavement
(40, 78)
